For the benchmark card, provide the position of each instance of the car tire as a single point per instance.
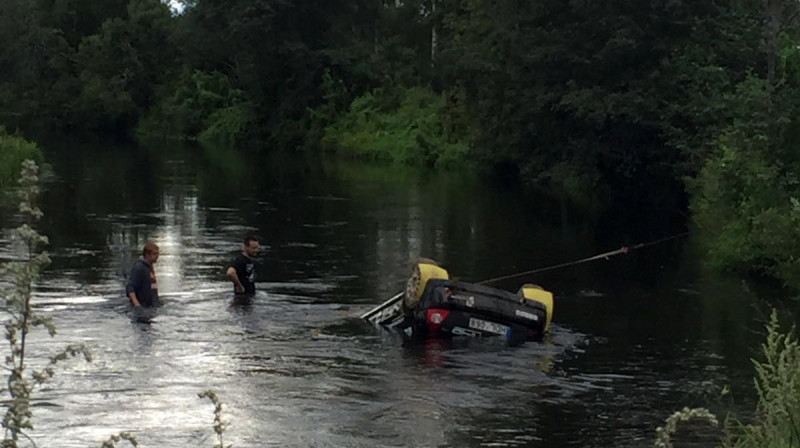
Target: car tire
(422, 271)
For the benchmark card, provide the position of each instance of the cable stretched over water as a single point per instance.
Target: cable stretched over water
(621, 250)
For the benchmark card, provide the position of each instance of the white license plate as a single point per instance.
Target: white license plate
(491, 327)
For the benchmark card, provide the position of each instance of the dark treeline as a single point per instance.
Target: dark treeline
(587, 96)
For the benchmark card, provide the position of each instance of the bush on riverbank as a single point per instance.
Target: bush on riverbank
(749, 213)
(397, 125)
(201, 105)
(13, 150)
(746, 199)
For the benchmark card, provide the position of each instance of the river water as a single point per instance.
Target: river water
(634, 337)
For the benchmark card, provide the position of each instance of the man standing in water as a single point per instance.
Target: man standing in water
(142, 287)
(243, 270)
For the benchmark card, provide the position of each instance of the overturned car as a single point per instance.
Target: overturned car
(433, 304)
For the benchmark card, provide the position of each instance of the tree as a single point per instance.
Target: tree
(121, 66)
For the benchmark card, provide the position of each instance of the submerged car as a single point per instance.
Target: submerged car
(435, 305)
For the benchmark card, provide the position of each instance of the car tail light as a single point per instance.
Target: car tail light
(435, 319)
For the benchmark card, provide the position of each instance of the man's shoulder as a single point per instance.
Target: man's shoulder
(138, 270)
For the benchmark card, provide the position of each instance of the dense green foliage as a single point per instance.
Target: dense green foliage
(89, 65)
(404, 125)
(630, 92)
(13, 151)
(746, 196)
(200, 105)
(749, 211)
(631, 98)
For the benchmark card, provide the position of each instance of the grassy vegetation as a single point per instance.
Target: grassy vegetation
(399, 125)
(13, 150)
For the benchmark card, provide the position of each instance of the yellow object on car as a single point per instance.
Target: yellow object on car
(537, 294)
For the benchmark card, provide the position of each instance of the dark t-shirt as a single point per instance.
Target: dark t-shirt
(143, 282)
(246, 271)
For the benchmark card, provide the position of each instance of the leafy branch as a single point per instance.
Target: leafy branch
(219, 425)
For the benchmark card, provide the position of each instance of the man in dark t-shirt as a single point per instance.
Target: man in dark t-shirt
(142, 287)
(242, 271)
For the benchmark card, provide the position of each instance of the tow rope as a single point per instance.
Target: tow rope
(606, 255)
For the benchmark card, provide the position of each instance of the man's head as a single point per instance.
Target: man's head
(250, 246)
(150, 252)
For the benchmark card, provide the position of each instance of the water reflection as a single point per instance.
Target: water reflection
(633, 338)
(142, 330)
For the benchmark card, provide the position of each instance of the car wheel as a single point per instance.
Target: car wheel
(422, 271)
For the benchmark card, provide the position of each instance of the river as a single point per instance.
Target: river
(634, 337)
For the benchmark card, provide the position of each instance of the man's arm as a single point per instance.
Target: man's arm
(134, 300)
(231, 272)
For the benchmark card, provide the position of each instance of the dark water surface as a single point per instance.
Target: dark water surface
(634, 337)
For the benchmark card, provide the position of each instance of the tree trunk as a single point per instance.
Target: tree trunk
(773, 32)
(434, 37)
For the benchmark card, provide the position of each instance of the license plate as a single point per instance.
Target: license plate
(490, 327)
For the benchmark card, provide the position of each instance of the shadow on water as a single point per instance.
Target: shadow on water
(633, 339)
